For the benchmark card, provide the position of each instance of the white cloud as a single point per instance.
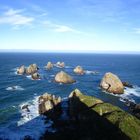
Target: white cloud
(15, 17)
(62, 28)
(59, 28)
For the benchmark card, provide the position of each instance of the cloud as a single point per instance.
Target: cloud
(59, 28)
(62, 28)
(15, 17)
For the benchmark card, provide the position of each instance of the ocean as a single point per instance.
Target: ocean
(16, 123)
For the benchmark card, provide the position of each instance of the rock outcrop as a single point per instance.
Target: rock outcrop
(127, 84)
(60, 64)
(21, 70)
(105, 120)
(47, 103)
(32, 69)
(79, 70)
(49, 66)
(63, 77)
(111, 83)
(25, 107)
(35, 76)
(136, 110)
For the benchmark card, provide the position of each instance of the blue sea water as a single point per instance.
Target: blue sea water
(15, 123)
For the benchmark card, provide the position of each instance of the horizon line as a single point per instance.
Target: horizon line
(67, 51)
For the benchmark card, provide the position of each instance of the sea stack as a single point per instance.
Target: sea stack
(32, 69)
(63, 77)
(49, 103)
(112, 84)
(79, 70)
(60, 64)
(35, 76)
(49, 66)
(21, 70)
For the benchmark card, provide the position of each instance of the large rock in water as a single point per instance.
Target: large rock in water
(63, 77)
(35, 76)
(49, 105)
(79, 70)
(60, 64)
(21, 69)
(49, 66)
(111, 83)
(100, 120)
(32, 69)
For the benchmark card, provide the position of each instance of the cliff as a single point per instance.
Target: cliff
(117, 122)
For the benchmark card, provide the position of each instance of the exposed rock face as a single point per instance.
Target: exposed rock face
(48, 103)
(32, 69)
(63, 77)
(35, 76)
(21, 70)
(126, 84)
(75, 99)
(60, 64)
(111, 83)
(136, 110)
(79, 70)
(96, 115)
(49, 66)
(25, 107)
(76, 92)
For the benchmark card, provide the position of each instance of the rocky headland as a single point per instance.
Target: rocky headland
(91, 119)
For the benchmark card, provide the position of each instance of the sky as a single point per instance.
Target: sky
(70, 25)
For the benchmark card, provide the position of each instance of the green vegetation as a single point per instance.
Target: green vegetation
(127, 123)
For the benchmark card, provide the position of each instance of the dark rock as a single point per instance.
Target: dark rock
(126, 84)
(137, 106)
(136, 110)
(25, 107)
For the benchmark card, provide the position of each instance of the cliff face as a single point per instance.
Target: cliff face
(90, 118)
(102, 119)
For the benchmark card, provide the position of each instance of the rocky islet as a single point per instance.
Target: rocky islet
(79, 70)
(112, 84)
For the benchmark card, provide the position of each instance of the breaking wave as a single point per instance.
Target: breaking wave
(31, 125)
(14, 88)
